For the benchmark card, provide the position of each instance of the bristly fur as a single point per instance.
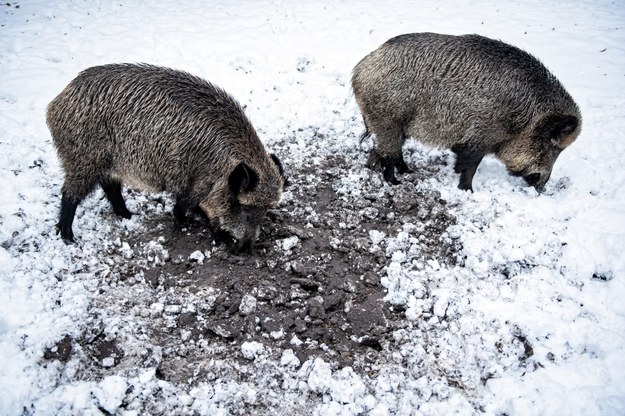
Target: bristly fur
(165, 130)
(468, 93)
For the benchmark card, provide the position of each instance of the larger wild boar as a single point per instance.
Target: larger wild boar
(163, 130)
(473, 95)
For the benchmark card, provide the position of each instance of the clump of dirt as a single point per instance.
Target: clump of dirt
(61, 351)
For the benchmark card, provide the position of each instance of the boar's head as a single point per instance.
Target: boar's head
(532, 156)
(236, 210)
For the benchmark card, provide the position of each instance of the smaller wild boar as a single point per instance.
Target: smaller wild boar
(473, 95)
(163, 130)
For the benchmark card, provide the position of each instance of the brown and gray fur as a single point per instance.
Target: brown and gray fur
(471, 94)
(163, 130)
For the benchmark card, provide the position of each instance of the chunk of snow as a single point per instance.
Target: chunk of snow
(252, 349)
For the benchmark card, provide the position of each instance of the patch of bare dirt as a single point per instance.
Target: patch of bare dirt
(312, 284)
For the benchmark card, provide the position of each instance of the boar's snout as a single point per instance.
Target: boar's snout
(236, 242)
(537, 180)
(246, 243)
(235, 216)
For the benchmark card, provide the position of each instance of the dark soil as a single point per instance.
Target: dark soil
(312, 283)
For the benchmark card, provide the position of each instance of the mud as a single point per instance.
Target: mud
(312, 284)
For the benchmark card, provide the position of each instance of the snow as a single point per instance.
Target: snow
(197, 256)
(248, 304)
(289, 359)
(289, 243)
(252, 349)
(342, 388)
(549, 268)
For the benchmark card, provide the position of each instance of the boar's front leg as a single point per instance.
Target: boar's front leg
(113, 190)
(180, 209)
(467, 161)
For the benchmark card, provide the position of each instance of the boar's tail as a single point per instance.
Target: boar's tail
(366, 134)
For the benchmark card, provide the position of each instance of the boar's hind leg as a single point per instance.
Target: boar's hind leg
(75, 189)
(467, 161)
(388, 170)
(113, 190)
(376, 162)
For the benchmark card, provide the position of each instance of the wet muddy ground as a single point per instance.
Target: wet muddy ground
(169, 299)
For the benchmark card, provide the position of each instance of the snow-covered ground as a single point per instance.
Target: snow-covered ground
(550, 266)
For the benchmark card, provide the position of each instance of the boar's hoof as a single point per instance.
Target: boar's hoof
(388, 166)
(389, 175)
(402, 167)
(374, 162)
(465, 186)
(125, 213)
(68, 240)
(181, 219)
(66, 235)
(388, 170)
(180, 212)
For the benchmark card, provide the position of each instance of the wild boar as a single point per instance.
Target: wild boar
(160, 129)
(471, 94)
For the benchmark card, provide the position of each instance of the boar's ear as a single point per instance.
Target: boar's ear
(242, 179)
(278, 163)
(280, 168)
(559, 128)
